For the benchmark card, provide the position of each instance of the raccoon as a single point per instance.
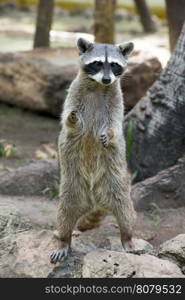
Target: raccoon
(91, 144)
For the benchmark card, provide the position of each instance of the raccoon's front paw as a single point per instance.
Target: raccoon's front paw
(104, 140)
(72, 118)
(106, 137)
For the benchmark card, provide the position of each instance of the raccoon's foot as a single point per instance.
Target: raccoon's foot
(106, 137)
(72, 119)
(128, 245)
(56, 255)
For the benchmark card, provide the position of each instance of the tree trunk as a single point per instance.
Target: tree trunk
(145, 16)
(43, 24)
(164, 190)
(104, 30)
(34, 83)
(176, 15)
(155, 127)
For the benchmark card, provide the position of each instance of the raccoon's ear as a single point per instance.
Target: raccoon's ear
(83, 45)
(126, 48)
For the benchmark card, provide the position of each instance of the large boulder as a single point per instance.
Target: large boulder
(26, 254)
(104, 263)
(174, 250)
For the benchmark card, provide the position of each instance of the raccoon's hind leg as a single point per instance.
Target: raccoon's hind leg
(114, 194)
(68, 214)
(125, 215)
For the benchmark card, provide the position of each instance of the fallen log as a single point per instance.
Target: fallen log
(38, 178)
(36, 84)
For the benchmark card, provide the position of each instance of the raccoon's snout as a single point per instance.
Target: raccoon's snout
(106, 80)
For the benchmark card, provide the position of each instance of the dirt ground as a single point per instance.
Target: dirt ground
(35, 136)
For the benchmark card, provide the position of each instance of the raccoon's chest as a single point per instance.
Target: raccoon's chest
(95, 115)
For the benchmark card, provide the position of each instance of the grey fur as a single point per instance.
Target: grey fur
(92, 154)
(117, 53)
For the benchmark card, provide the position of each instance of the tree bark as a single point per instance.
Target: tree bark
(145, 16)
(104, 29)
(34, 83)
(176, 15)
(43, 23)
(164, 190)
(158, 122)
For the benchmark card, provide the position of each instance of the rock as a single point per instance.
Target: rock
(166, 189)
(69, 268)
(26, 254)
(105, 263)
(139, 244)
(142, 245)
(40, 177)
(174, 250)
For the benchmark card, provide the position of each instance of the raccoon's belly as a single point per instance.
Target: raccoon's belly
(91, 165)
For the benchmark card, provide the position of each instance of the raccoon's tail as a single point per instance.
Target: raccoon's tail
(91, 220)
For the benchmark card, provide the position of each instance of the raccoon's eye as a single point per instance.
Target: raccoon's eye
(116, 69)
(93, 68)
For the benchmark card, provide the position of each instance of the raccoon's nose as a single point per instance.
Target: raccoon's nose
(106, 80)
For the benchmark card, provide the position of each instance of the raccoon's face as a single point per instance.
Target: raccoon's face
(103, 63)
